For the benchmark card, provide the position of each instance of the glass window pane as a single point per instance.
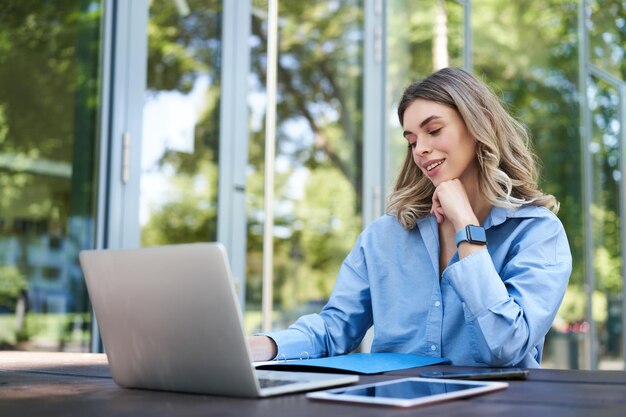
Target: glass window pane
(528, 51)
(605, 148)
(318, 173)
(419, 41)
(607, 35)
(180, 147)
(49, 107)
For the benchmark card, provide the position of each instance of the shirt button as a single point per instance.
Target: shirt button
(433, 347)
(437, 303)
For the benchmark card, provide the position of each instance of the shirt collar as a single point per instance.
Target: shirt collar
(427, 226)
(498, 215)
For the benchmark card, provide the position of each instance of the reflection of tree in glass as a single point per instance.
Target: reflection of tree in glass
(319, 83)
(607, 35)
(49, 102)
(606, 177)
(319, 146)
(529, 51)
(319, 134)
(184, 45)
(48, 98)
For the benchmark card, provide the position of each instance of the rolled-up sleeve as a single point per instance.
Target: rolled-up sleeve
(510, 311)
(342, 323)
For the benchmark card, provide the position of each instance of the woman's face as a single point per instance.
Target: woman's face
(440, 142)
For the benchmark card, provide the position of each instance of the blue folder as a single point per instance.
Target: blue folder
(358, 363)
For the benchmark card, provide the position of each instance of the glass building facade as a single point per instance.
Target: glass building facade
(271, 126)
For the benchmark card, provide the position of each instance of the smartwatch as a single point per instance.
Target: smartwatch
(471, 234)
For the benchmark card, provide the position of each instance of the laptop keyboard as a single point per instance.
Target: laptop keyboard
(268, 383)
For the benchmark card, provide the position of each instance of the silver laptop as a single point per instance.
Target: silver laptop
(170, 320)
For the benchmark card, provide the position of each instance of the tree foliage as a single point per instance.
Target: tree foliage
(527, 51)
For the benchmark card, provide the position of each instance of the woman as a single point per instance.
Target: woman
(470, 263)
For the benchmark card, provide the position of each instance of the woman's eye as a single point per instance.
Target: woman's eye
(435, 132)
(412, 145)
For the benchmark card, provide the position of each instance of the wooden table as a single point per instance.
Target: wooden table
(75, 384)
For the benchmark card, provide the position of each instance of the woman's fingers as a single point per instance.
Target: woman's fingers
(450, 201)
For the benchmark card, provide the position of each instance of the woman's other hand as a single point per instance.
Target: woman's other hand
(262, 348)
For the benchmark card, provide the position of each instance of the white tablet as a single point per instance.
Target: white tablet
(408, 392)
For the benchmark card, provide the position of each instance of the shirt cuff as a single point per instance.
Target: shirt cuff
(291, 344)
(477, 283)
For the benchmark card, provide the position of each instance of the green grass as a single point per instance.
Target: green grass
(45, 330)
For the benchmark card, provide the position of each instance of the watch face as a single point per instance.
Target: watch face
(476, 234)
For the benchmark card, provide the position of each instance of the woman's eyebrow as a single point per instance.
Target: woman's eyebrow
(424, 123)
(429, 119)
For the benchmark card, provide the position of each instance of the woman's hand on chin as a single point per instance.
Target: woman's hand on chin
(450, 202)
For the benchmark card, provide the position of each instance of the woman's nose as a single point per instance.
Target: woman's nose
(422, 147)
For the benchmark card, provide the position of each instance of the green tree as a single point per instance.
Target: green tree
(319, 130)
(12, 286)
(528, 51)
(182, 48)
(49, 102)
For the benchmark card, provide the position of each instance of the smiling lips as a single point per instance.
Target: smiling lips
(430, 165)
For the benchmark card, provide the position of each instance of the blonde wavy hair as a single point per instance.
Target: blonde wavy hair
(508, 169)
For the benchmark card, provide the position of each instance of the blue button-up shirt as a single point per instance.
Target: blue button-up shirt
(493, 307)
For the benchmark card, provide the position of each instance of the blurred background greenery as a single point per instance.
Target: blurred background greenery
(50, 58)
